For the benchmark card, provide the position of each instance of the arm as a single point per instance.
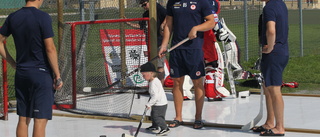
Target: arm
(133, 25)
(271, 37)
(167, 30)
(4, 52)
(153, 99)
(154, 91)
(163, 24)
(53, 60)
(205, 26)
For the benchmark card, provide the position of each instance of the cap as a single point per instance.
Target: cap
(148, 67)
(143, 1)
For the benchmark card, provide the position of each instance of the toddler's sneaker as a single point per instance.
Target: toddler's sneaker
(163, 132)
(151, 128)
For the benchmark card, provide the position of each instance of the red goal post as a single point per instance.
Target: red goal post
(4, 92)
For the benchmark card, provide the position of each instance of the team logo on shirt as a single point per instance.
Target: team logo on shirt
(198, 73)
(184, 5)
(171, 71)
(177, 5)
(216, 18)
(193, 7)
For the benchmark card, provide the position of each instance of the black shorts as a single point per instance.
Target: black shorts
(272, 67)
(187, 62)
(34, 92)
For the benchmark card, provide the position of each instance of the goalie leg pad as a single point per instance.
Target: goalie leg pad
(233, 58)
(187, 85)
(213, 89)
(209, 86)
(219, 76)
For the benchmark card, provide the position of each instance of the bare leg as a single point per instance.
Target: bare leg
(278, 108)
(269, 105)
(22, 127)
(39, 128)
(177, 97)
(199, 97)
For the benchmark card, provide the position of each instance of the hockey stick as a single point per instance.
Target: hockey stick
(229, 71)
(138, 129)
(252, 123)
(137, 69)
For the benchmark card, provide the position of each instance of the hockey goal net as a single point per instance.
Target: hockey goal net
(95, 55)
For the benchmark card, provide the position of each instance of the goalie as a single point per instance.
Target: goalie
(214, 61)
(223, 33)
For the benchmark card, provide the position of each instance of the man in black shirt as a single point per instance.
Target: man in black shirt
(161, 15)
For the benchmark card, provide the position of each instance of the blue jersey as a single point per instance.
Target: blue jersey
(215, 6)
(276, 10)
(29, 27)
(187, 14)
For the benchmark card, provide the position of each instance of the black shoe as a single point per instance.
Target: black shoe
(214, 99)
(151, 128)
(163, 132)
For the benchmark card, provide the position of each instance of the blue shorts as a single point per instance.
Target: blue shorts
(186, 62)
(34, 92)
(272, 67)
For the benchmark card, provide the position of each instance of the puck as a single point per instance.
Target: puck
(243, 96)
(103, 136)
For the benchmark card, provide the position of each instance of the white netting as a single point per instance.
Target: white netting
(98, 63)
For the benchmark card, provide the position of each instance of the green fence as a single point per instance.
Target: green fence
(11, 3)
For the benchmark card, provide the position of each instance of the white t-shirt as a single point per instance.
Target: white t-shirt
(157, 94)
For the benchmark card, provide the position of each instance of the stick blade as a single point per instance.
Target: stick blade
(252, 123)
(255, 121)
(126, 135)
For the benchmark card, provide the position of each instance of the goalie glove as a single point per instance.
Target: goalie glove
(221, 33)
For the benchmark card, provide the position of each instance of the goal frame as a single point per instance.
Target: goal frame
(5, 100)
(74, 56)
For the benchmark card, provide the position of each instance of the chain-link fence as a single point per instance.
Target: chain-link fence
(242, 20)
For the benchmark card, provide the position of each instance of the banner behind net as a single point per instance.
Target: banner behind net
(98, 63)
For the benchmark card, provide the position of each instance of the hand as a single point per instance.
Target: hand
(266, 49)
(193, 33)
(57, 83)
(148, 107)
(162, 50)
(128, 23)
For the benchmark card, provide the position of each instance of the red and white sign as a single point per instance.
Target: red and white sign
(136, 54)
